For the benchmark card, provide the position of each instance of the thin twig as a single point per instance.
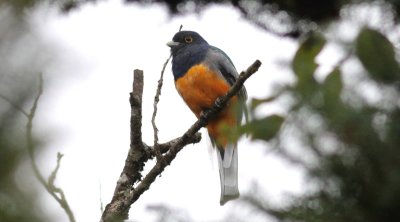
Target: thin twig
(101, 199)
(53, 174)
(155, 109)
(153, 118)
(51, 189)
(17, 107)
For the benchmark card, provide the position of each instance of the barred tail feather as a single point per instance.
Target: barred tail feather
(228, 172)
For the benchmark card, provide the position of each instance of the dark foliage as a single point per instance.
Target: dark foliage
(354, 145)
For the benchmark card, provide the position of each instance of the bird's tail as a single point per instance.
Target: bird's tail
(228, 173)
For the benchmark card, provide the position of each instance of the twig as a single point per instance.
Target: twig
(155, 109)
(101, 199)
(153, 119)
(49, 186)
(17, 107)
(156, 100)
(53, 174)
(125, 194)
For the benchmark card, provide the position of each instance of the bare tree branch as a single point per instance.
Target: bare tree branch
(16, 106)
(153, 119)
(118, 208)
(53, 174)
(56, 192)
(125, 194)
(156, 148)
(164, 147)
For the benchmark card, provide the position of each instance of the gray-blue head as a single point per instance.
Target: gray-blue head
(185, 40)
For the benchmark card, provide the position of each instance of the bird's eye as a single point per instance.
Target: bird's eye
(188, 39)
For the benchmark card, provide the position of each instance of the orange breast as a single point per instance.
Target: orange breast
(199, 88)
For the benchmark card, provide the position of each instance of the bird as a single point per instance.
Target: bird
(203, 73)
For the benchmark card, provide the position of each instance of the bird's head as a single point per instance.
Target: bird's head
(184, 40)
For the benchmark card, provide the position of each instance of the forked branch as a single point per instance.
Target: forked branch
(56, 192)
(126, 193)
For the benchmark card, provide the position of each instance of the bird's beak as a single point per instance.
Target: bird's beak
(172, 44)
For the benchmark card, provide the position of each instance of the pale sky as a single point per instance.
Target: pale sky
(84, 112)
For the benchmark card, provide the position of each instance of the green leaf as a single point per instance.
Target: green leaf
(304, 60)
(332, 86)
(278, 92)
(265, 128)
(304, 65)
(331, 90)
(256, 102)
(377, 55)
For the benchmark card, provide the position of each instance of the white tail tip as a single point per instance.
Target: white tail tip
(228, 172)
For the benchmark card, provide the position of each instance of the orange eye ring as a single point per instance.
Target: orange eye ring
(188, 39)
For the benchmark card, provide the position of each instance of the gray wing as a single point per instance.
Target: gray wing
(218, 60)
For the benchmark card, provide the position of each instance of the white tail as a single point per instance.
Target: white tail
(228, 173)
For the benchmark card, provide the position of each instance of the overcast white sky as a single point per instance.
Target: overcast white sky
(85, 112)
